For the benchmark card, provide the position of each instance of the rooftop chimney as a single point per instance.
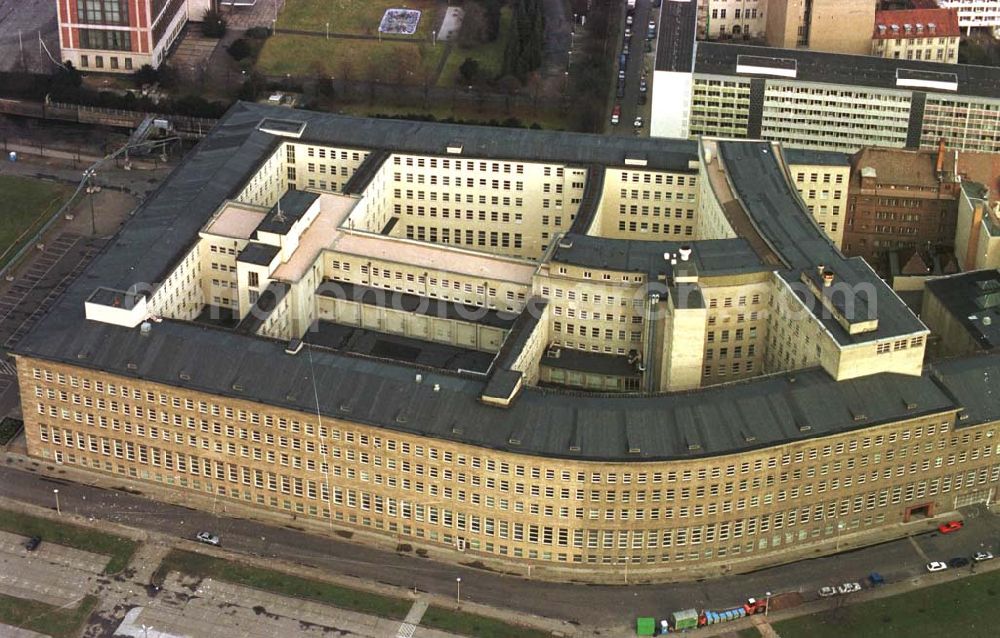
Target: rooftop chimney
(820, 269)
(827, 278)
(685, 252)
(940, 158)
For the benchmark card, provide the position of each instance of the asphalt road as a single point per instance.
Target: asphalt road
(587, 605)
(638, 61)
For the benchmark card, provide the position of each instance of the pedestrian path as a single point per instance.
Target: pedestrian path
(412, 619)
(764, 627)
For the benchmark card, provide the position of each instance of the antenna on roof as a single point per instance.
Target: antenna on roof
(279, 216)
(324, 450)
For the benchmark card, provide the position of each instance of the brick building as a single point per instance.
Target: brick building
(120, 36)
(900, 198)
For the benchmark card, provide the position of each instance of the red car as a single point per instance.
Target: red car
(950, 526)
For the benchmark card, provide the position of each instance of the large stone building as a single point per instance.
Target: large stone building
(917, 34)
(120, 36)
(817, 100)
(461, 292)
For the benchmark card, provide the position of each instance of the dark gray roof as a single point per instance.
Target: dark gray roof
(851, 70)
(289, 209)
(973, 383)
(818, 158)
(487, 142)
(779, 217)
(676, 38)
(596, 362)
(717, 420)
(709, 257)
(258, 254)
(973, 300)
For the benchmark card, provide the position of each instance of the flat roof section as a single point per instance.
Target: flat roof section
(973, 300)
(236, 220)
(675, 46)
(258, 254)
(382, 345)
(713, 58)
(801, 156)
(708, 257)
(434, 258)
(289, 209)
(321, 233)
(593, 362)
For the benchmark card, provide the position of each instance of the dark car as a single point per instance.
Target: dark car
(958, 561)
(621, 89)
(876, 579)
(33, 543)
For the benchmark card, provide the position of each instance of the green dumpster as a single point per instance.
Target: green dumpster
(645, 626)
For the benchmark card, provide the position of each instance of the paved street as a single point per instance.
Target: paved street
(597, 606)
(640, 64)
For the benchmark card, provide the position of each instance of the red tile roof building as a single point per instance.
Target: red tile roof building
(917, 34)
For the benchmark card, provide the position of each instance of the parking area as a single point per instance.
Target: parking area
(51, 574)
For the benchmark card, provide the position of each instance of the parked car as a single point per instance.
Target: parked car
(958, 561)
(981, 556)
(876, 579)
(628, 32)
(642, 85)
(621, 88)
(625, 48)
(849, 588)
(33, 543)
(629, 19)
(827, 591)
(936, 566)
(638, 122)
(208, 538)
(621, 75)
(950, 526)
(642, 99)
(616, 114)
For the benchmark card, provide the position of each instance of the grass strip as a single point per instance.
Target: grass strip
(460, 622)
(965, 607)
(58, 622)
(118, 549)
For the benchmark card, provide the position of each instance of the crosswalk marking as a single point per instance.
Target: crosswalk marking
(406, 630)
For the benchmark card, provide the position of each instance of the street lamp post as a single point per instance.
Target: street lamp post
(840, 526)
(89, 175)
(58, 509)
(458, 590)
(767, 603)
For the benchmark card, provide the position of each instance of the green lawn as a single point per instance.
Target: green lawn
(27, 204)
(360, 17)
(388, 61)
(963, 607)
(489, 56)
(288, 585)
(58, 622)
(119, 549)
(460, 622)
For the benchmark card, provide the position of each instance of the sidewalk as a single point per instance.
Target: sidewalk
(143, 179)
